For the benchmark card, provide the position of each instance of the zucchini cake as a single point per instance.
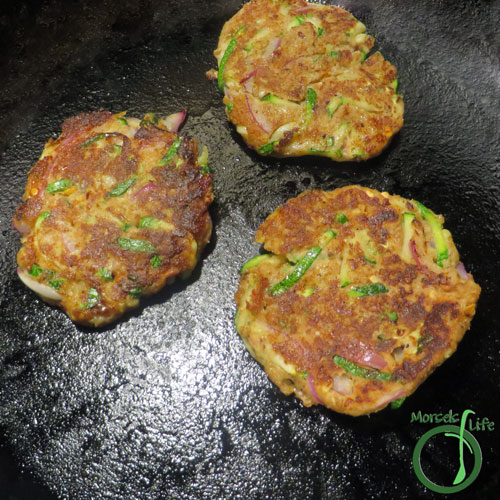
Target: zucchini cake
(298, 80)
(361, 297)
(114, 209)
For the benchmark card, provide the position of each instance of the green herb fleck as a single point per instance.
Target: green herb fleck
(393, 316)
(92, 299)
(156, 261)
(320, 31)
(205, 169)
(340, 217)
(56, 284)
(333, 53)
(268, 148)
(125, 226)
(94, 138)
(363, 56)
(35, 270)
(135, 292)
(105, 274)
(229, 107)
(122, 120)
(370, 261)
(311, 97)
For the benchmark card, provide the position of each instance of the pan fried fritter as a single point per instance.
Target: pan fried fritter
(362, 297)
(115, 208)
(297, 80)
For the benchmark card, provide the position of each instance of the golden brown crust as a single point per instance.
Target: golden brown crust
(104, 185)
(282, 51)
(404, 331)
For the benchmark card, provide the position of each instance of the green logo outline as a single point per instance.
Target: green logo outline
(461, 481)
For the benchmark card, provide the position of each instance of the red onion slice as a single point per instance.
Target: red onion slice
(414, 254)
(21, 226)
(273, 45)
(174, 121)
(246, 78)
(254, 117)
(147, 188)
(389, 398)
(461, 270)
(45, 291)
(368, 357)
(312, 388)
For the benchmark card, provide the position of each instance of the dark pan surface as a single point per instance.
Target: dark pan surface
(167, 403)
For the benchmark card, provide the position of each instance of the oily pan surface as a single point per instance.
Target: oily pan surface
(119, 413)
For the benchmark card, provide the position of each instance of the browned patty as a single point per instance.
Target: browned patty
(114, 209)
(383, 303)
(298, 80)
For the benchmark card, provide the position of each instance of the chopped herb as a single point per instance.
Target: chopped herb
(299, 20)
(320, 31)
(135, 292)
(329, 142)
(56, 284)
(59, 185)
(370, 261)
(105, 274)
(366, 290)
(229, 107)
(156, 261)
(268, 148)
(395, 84)
(359, 371)
(340, 217)
(35, 270)
(393, 316)
(205, 169)
(363, 56)
(136, 245)
(333, 53)
(121, 188)
(172, 150)
(304, 374)
(92, 299)
(397, 403)
(126, 226)
(255, 261)
(423, 341)
(151, 222)
(122, 120)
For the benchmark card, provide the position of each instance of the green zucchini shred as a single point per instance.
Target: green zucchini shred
(121, 188)
(367, 290)
(359, 371)
(136, 245)
(171, 152)
(58, 186)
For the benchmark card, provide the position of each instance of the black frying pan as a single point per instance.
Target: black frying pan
(167, 403)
